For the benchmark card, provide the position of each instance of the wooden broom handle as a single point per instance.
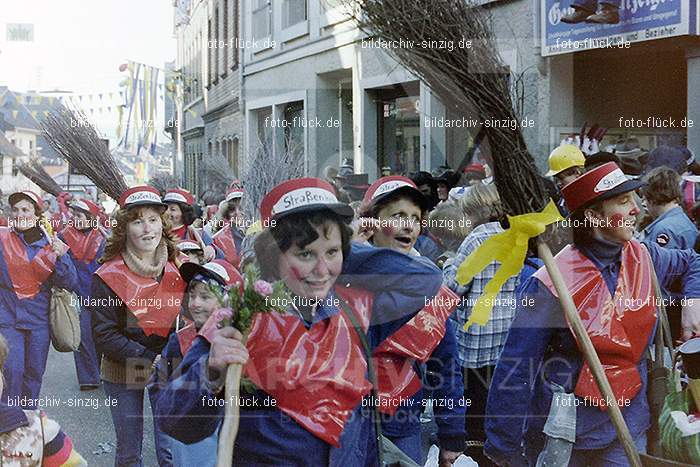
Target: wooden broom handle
(589, 353)
(232, 416)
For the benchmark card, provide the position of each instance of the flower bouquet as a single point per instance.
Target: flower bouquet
(257, 296)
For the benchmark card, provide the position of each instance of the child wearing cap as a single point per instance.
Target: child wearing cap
(181, 210)
(608, 275)
(229, 239)
(31, 263)
(393, 210)
(86, 239)
(205, 283)
(310, 360)
(135, 299)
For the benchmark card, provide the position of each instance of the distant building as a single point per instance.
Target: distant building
(207, 67)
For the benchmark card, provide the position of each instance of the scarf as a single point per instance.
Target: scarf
(141, 267)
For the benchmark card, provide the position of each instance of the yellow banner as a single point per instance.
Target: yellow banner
(509, 248)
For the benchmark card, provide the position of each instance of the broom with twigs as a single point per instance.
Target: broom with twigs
(472, 80)
(35, 172)
(76, 140)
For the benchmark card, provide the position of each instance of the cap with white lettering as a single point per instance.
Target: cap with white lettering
(142, 195)
(178, 195)
(603, 182)
(394, 185)
(302, 195)
(234, 193)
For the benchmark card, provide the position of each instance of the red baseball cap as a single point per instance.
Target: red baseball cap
(85, 205)
(302, 195)
(27, 194)
(142, 195)
(603, 182)
(394, 185)
(234, 193)
(178, 195)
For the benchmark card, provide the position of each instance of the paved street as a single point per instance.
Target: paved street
(85, 415)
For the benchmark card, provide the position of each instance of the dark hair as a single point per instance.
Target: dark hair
(581, 230)
(663, 186)
(295, 229)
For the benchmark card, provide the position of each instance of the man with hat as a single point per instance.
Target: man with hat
(566, 164)
(86, 239)
(610, 278)
(229, 239)
(31, 263)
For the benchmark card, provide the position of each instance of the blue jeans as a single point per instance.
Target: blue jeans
(127, 416)
(26, 362)
(611, 456)
(592, 5)
(201, 453)
(410, 445)
(87, 364)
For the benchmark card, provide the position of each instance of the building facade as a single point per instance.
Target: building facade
(208, 95)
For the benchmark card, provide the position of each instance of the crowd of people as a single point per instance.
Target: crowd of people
(373, 340)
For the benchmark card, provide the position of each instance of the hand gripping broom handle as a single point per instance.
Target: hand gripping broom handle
(589, 353)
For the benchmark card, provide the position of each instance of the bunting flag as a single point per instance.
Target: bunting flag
(15, 113)
(34, 114)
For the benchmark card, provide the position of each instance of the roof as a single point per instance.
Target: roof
(9, 149)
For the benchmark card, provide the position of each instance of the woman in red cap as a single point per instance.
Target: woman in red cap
(609, 276)
(31, 263)
(229, 239)
(84, 235)
(135, 299)
(308, 365)
(181, 211)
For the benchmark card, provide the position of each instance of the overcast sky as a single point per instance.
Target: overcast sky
(79, 44)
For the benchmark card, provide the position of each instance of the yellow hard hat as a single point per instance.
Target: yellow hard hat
(564, 157)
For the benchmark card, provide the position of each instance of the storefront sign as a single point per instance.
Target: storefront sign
(640, 20)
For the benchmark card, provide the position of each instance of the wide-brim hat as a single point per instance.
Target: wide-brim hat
(302, 195)
(603, 182)
(219, 270)
(28, 195)
(142, 195)
(179, 195)
(394, 186)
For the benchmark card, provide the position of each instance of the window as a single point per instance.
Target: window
(232, 155)
(2, 165)
(264, 124)
(399, 129)
(15, 168)
(293, 12)
(261, 18)
(294, 128)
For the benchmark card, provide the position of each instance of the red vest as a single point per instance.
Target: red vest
(154, 304)
(415, 340)
(619, 326)
(316, 375)
(83, 246)
(224, 241)
(26, 276)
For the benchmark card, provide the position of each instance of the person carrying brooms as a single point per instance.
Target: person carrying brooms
(610, 278)
(306, 367)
